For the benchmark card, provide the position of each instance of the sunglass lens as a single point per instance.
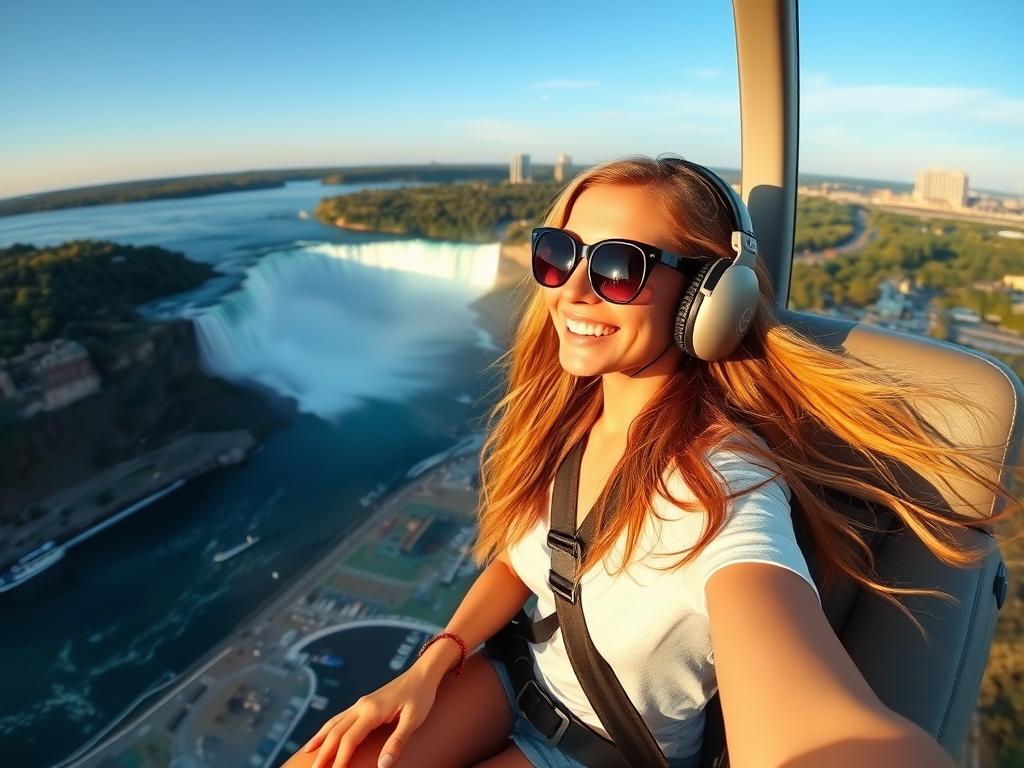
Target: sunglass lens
(617, 269)
(553, 256)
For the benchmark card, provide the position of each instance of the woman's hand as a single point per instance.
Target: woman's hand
(409, 697)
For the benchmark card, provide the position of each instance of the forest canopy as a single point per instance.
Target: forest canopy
(84, 289)
(944, 255)
(473, 212)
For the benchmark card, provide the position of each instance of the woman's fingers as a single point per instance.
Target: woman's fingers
(319, 736)
(327, 750)
(339, 738)
(332, 739)
(396, 741)
(351, 739)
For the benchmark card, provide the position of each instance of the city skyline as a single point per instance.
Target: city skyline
(99, 97)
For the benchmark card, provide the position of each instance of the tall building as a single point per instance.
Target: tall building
(941, 186)
(48, 375)
(519, 170)
(563, 168)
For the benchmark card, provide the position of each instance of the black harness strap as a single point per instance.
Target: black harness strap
(613, 707)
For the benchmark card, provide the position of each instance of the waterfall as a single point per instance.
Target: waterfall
(333, 324)
(475, 266)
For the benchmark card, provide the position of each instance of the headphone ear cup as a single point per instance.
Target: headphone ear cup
(683, 321)
(717, 313)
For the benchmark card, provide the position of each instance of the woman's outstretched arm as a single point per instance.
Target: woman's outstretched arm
(495, 597)
(791, 695)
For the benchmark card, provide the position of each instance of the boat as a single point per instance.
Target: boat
(31, 564)
(227, 554)
(330, 660)
(45, 555)
(371, 496)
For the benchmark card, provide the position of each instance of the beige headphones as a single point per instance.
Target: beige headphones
(719, 304)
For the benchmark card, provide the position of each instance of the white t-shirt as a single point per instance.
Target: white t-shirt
(652, 626)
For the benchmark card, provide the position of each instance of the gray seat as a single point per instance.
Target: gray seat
(936, 683)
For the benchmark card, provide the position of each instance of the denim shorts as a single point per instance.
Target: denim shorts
(532, 742)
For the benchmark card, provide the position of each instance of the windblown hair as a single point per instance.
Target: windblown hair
(778, 384)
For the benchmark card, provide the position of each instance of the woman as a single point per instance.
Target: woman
(679, 439)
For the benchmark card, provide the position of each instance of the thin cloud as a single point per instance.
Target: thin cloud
(703, 73)
(821, 98)
(565, 85)
(691, 105)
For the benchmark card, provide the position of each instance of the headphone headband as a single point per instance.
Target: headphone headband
(744, 244)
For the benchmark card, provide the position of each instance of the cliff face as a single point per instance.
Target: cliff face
(152, 392)
(499, 310)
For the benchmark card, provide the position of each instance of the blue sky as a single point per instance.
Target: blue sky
(107, 91)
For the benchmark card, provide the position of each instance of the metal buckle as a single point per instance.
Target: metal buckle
(562, 726)
(562, 587)
(571, 546)
(568, 544)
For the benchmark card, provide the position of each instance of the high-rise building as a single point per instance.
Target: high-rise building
(563, 168)
(519, 169)
(938, 185)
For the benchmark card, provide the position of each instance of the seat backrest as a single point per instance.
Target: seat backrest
(934, 683)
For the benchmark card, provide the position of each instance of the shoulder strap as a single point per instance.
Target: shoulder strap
(616, 712)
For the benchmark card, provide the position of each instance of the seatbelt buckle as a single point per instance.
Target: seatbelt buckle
(563, 587)
(531, 690)
(568, 544)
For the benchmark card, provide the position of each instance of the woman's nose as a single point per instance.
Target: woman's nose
(577, 287)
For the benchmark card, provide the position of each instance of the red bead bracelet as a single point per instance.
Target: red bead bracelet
(456, 638)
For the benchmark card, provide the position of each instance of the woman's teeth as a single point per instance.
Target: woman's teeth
(589, 329)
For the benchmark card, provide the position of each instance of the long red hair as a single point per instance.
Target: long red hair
(778, 384)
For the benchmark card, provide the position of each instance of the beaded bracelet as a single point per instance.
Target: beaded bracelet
(456, 638)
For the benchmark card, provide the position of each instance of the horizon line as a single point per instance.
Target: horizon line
(319, 166)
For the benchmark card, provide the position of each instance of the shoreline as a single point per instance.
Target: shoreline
(72, 512)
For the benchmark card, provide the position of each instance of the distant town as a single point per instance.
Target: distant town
(935, 191)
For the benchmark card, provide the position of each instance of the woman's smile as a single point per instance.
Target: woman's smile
(581, 330)
(582, 340)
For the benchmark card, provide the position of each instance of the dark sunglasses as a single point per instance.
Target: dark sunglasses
(617, 269)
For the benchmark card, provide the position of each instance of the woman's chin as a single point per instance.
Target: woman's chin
(582, 364)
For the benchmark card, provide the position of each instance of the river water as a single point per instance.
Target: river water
(373, 339)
